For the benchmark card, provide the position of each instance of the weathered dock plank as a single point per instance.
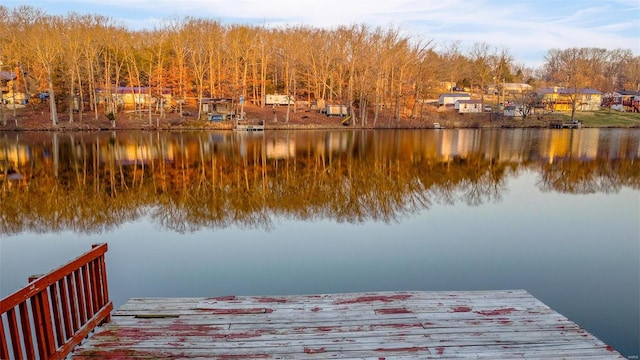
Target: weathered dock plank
(423, 325)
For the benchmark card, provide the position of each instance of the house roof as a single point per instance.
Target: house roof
(559, 90)
(216, 100)
(7, 75)
(469, 101)
(455, 95)
(628, 92)
(516, 86)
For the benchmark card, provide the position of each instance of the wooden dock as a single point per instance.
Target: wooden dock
(409, 325)
(249, 127)
(565, 125)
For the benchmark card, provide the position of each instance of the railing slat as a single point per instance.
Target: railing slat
(50, 344)
(4, 347)
(82, 318)
(27, 338)
(72, 303)
(55, 310)
(64, 304)
(14, 333)
(99, 284)
(86, 288)
(93, 285)
(38, 324)
(105, 285)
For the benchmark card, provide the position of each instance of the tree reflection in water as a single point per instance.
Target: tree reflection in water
(93, 182)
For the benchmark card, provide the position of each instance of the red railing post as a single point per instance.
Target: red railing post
(4, 347)
(60, 308)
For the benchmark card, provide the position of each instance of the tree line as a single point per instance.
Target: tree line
(371, 70)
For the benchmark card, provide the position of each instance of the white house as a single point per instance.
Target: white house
(279, 99)
(468, 106)
(516, 110)
(450, 99)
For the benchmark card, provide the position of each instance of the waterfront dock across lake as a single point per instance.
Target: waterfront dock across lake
(503, 324)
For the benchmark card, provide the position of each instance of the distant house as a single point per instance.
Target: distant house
(218, 108)
(509, 88)
(450, 99)
(516, 88)
(131, 96)
(468, 106)
(9, 90)
(562, 99)
(622, 100)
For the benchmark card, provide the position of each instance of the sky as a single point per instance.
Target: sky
(527, 28)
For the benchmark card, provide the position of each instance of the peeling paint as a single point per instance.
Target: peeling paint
(240, 311)
(372, 298)
(461, 309)
(242, 335)
(243, 356)
(314, 351)
(325, 328)
(404, 349)
(505, 311)
(393, 311)
(396, 326)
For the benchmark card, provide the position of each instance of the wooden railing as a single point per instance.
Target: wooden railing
(54, 313)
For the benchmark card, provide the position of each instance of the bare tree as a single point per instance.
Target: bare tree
(500, 63)
(45, 43)
(480, 57)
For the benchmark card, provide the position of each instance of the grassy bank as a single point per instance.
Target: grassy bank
(606, 118)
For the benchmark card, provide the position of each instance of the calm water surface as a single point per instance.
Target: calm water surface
(554, 212)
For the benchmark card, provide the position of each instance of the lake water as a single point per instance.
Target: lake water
(554, 212)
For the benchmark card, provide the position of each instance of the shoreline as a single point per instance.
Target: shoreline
(85, 127)
(274, 119)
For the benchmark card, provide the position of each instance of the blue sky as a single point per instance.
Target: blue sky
(528, 28)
